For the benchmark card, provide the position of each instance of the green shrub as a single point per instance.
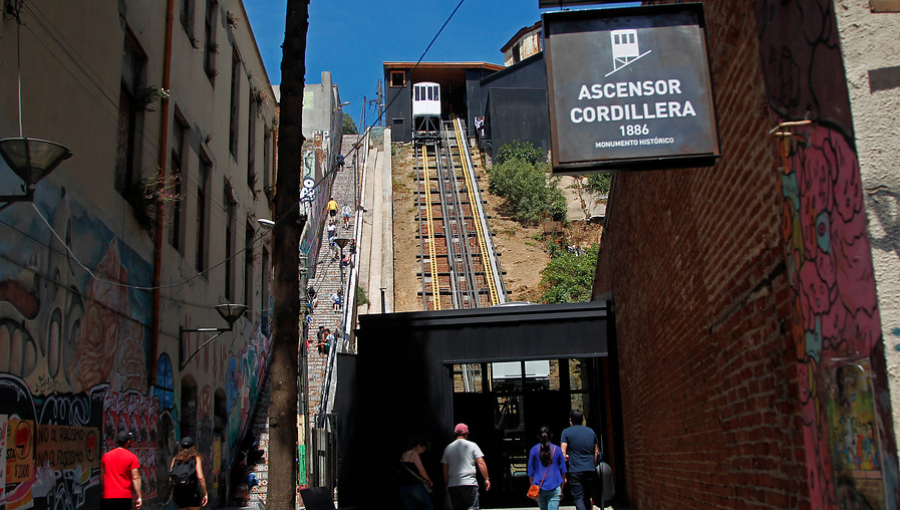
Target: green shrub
(528, 193)
(523, 151)
(569, 278)
(361, 298)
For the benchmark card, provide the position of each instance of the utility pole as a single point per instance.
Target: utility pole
(284, 372)
(380, 105)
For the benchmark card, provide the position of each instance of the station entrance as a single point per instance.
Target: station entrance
(504, 371)
(506, 403)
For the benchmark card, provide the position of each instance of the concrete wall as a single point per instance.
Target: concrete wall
(749, 336)
(77, 353)
(871, 57)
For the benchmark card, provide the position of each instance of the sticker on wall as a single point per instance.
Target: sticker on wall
(20, 451)
(2, 462)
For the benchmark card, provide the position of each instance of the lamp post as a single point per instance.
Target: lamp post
(341, 242)
(30, 158)
(231, 312)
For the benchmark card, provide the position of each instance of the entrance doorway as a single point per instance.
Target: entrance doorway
(506, 403)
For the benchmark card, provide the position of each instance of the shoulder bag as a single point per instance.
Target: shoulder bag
(535, 490)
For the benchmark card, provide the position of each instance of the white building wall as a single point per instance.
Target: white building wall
(871, 52)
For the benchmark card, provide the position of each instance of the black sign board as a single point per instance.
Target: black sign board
(549, 4)
(629, 88)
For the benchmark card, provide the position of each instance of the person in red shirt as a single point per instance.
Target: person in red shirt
(119, 471)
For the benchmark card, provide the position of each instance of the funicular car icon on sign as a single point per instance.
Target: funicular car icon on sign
(625, 49)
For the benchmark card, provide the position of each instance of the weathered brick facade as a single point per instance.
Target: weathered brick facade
(730, 312)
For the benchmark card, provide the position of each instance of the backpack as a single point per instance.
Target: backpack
(184, 474)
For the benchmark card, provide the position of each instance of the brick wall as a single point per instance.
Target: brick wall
(704, 310)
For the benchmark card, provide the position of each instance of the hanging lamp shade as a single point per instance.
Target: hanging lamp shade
(32, 159)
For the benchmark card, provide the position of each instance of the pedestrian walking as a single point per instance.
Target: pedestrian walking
(547, 469)
(459, 463)
(345, 213)
(336, 299)
(332, 208)
(415, 485)
(340, 160)
(120, 476)
(329, 341)
(186, 475)
(582, 451)
(320, 338)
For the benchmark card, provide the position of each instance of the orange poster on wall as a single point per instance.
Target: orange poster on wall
(19, 451)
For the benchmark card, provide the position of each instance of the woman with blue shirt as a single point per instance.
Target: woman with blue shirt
(547, 468)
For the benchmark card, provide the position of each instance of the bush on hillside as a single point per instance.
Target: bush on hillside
(529, 195)
(569, 278)
(523, 151)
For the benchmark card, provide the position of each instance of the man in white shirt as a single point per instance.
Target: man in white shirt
(459, 461)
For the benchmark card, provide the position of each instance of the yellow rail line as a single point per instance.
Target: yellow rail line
(435, 289)
(473, 205)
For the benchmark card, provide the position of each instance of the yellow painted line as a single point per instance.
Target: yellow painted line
(435, 290)
(474, 206)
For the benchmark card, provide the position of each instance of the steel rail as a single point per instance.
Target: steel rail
(474, 289)
(477, 209)
(435, 284)
(450, 217)
(422, 225)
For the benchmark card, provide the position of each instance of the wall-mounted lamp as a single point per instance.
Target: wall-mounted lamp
(266, 224)
(231, 312)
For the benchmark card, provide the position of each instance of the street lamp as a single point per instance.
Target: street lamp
(231, 312)
(32, 160)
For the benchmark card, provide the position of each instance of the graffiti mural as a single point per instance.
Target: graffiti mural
(74, 363)
(851, 451)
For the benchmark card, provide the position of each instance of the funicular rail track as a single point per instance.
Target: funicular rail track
(459, 268)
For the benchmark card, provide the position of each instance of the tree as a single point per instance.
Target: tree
(284, 371)
(569, 277)
(590, 190)
(347, 125)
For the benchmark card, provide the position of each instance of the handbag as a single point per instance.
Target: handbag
(535, 490)
(418, 477)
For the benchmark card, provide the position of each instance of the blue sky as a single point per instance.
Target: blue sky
(351, 38)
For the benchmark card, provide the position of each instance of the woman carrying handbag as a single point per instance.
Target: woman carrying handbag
(547, 471)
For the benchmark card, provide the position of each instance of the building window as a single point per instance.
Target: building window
(187, 17)
(229, 241)
(267, 158)
(202, 213)
(179, 148)
(264, 273)
(251, 144)
(249, 254)
(235, 107)
(398, 78)
(517, 53)
(884, 6)
(129, 133)
(210, 48)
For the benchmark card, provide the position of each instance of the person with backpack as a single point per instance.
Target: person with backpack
(186, 477)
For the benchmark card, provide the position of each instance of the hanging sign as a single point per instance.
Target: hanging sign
(629, 88)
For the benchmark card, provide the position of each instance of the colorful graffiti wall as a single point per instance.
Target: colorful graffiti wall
(74, 364)
(851, 451)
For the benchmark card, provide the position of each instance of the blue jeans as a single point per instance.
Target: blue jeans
(549, 500)
(415, 497)
(581, 483)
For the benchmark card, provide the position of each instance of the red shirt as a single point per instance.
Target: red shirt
(117, 465)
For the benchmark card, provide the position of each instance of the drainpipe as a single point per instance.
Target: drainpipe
(160, 212)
